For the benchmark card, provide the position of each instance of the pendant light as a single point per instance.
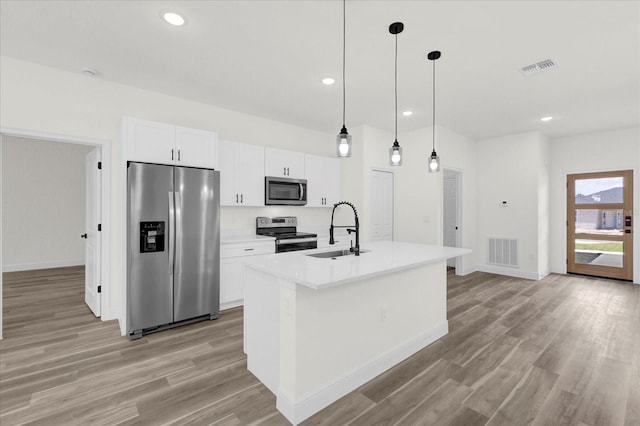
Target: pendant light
(434, 160)
(395, 152)
(343, 140)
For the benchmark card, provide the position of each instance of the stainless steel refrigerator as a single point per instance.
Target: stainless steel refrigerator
(173, 246)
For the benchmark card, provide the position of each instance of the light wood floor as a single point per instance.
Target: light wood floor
(565, 350)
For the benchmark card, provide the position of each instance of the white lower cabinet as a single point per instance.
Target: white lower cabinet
(232, 257)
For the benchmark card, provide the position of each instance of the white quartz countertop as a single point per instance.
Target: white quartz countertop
(382, 257)
(244, 238)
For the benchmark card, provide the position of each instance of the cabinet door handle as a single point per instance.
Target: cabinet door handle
(242, 198)
(248, 249)
(178, 155)
(288, 173)
(236, 198)
(171, 155)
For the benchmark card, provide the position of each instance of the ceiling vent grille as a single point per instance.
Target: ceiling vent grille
(538, 67)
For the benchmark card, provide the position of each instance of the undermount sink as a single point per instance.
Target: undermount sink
(335, 253)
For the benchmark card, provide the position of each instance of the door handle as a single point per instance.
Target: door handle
(178, 233)
(288, 173)
(83, 236)
(236, 198)
(172, 155)
(172, 230)
(241, 198)
(284, 171)
(178, 155)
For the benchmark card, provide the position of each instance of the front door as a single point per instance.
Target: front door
(599, 224)
(92, 296)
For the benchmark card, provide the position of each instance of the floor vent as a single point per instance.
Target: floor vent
(503, 252)
(538, 67)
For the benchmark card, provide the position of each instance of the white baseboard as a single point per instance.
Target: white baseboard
(41, 265)
(467, 271)
(229, 305)
(297, 412)
(511, 272)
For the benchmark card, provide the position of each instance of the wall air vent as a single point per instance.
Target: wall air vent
(538, 67)
(503, 252)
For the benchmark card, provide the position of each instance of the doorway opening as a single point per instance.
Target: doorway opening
(599, 224)
(46, 191)
(451, 219)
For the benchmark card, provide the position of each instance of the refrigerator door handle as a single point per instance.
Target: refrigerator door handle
(178, 234)
(172, 230)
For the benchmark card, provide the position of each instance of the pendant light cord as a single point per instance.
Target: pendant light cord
(433, 127)
(344, 48)
(396, 86)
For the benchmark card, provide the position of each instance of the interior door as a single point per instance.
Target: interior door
(381, 200)
(450, 214)
(599, 224)
(92, 296)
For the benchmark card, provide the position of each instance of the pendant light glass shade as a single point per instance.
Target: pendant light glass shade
(434, 160)
(343, 140)
(343, 143)
(395, 154)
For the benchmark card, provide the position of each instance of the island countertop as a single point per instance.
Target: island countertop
(380, 258)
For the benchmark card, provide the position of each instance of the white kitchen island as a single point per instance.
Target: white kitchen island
(317, 328)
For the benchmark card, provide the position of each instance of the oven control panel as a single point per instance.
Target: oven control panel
(272, 222)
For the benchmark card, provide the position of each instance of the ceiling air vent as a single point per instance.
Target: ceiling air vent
(538, 67)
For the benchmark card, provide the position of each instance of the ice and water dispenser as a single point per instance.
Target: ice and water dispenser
(151, 237)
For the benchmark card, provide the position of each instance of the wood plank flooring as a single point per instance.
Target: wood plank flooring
(561, 351)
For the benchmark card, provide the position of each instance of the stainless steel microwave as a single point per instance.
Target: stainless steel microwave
(279, 191)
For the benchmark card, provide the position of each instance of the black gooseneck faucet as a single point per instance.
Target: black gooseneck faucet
(356, 249)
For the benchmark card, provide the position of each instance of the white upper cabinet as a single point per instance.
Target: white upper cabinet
(149, 141)
(241, 174)
(283, 163)
(195, 148)
(323, 180)
(162, 143)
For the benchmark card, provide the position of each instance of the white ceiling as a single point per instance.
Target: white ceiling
(267, 58)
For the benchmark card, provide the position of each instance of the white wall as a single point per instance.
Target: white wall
(48, 100)
(543, 207)
(44, 203)
(593, 152)
(419, 193)
(512, 169)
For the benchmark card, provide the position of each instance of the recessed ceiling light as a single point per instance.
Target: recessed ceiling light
(547, 118)
(407, 113)
(328, 81)
(173, 18)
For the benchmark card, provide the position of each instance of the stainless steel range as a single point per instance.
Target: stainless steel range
(285, 233)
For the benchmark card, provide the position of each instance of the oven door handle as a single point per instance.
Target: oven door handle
(297, 240)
